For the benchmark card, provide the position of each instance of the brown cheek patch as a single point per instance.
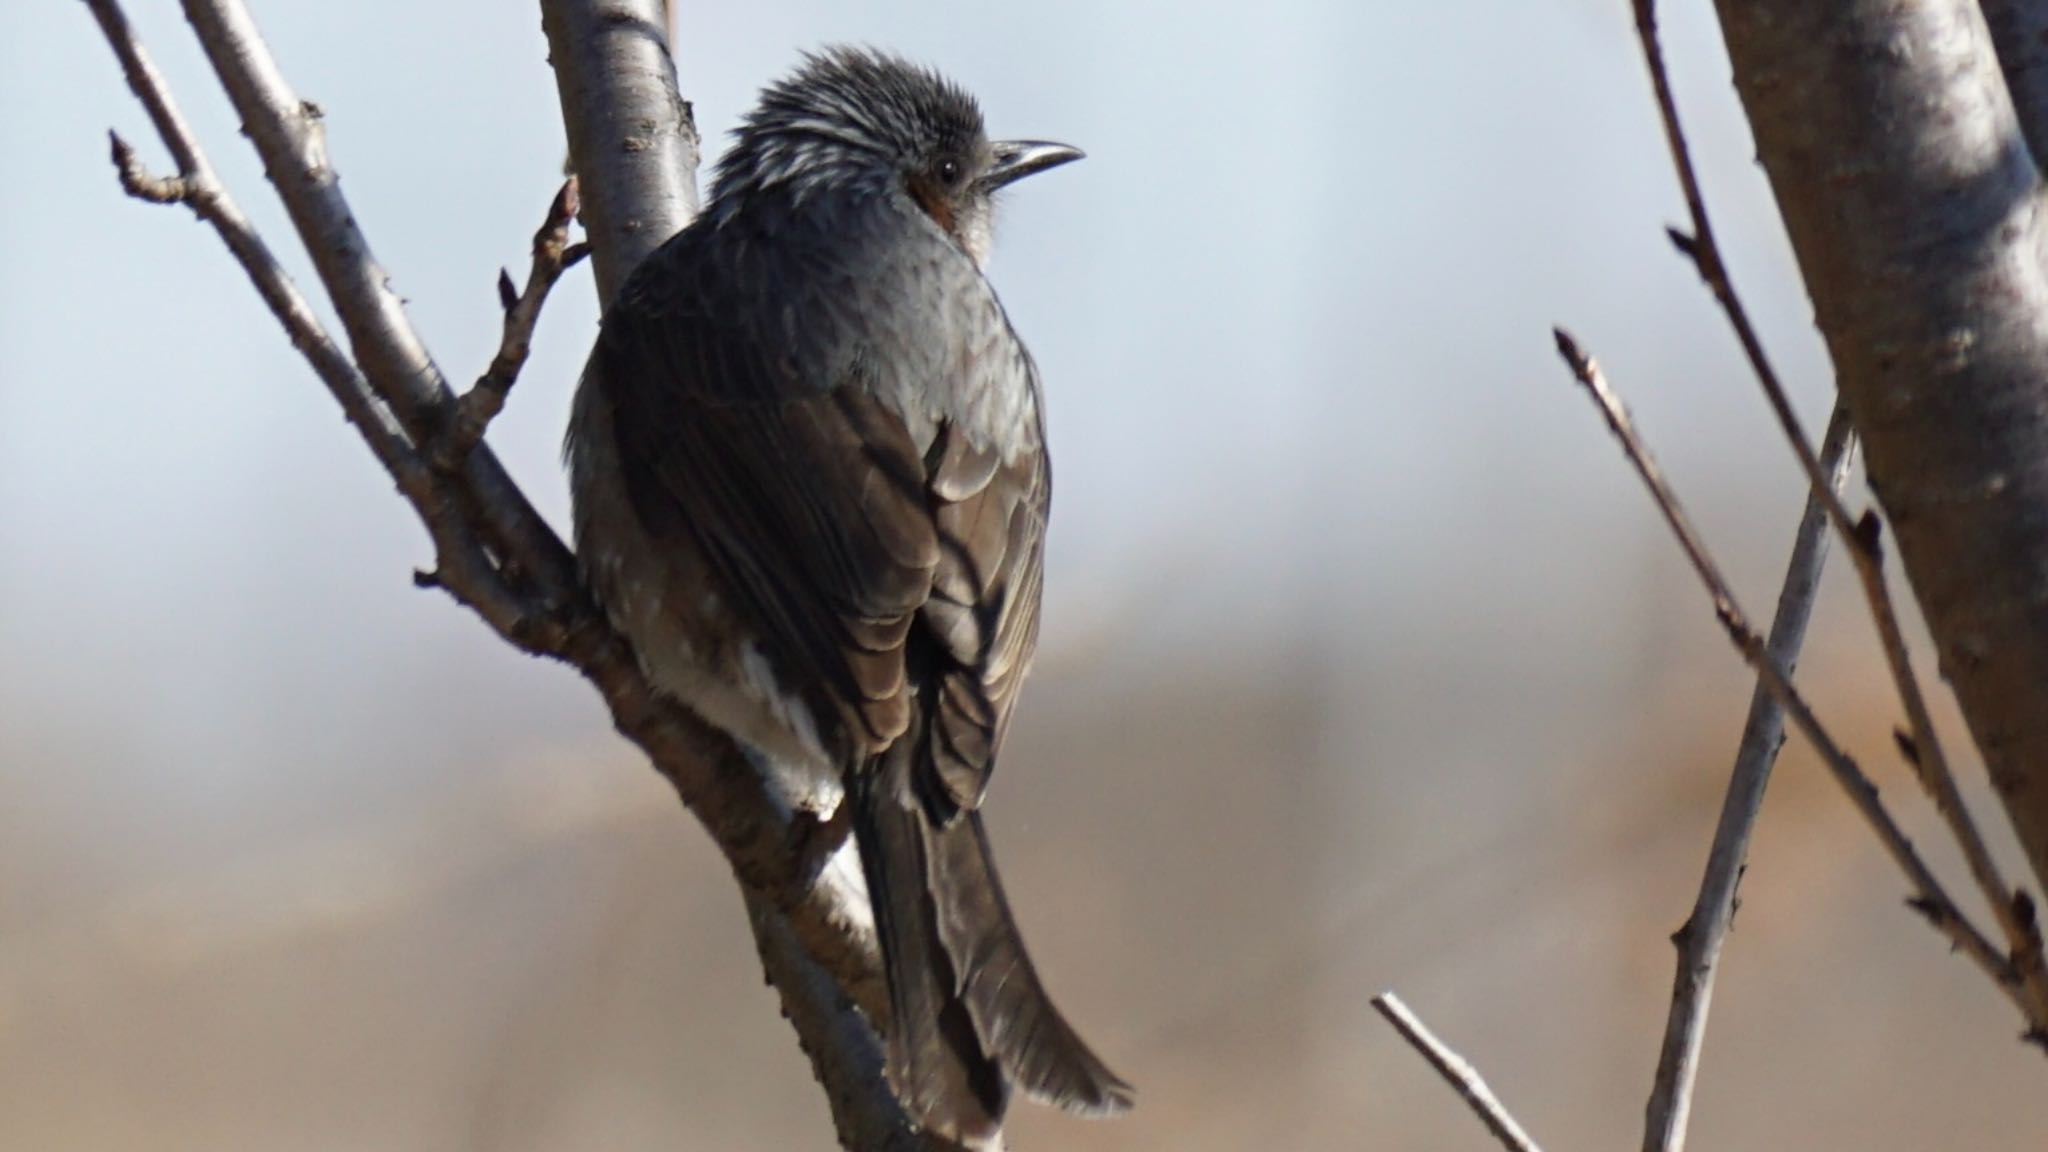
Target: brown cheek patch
(934, 202)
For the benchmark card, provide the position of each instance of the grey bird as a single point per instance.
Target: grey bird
(810, 479)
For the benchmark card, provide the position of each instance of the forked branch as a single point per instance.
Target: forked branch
(553, 255)
(1929, 898)
(493, 551)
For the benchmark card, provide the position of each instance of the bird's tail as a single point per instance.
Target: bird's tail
(971, 1018)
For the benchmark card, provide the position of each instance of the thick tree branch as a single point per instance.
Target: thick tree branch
(839, 1042)
(632, 137)
(1914, 208)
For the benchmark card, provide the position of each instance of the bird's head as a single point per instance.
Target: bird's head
(855, 119)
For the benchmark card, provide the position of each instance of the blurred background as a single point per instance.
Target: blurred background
(1366, 663)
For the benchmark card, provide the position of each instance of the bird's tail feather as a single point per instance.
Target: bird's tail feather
(971, 1018)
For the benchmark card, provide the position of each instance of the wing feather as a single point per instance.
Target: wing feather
(870, 565)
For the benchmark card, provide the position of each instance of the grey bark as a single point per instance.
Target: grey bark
(1914, 207)
(1700, 940)
(632, 137)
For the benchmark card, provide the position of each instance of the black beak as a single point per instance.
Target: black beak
(1016, 159)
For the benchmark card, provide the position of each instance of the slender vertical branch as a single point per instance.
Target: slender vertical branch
(1706, 930)
(632, 136)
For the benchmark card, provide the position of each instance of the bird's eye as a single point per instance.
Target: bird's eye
(949, 170)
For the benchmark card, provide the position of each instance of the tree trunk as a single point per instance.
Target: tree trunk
(1914, 207)
(632, 138)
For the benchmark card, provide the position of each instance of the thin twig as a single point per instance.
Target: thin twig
(290, 136)
(139, 182)
(1861, 536)
(196, 187)
(552, 256)
(1699, 941)
(1459, 1074)
(1929, 898)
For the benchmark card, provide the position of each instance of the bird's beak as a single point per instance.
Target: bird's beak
(1016, 159)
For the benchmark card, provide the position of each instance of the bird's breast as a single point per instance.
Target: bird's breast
(924, 330)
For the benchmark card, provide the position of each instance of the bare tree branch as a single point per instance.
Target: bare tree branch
(1914, 207)
(1699, 941)
(1930, 899)
(1929, 760)
(552, 256)
(494, 553)
(745, 817)
(291, 141)
(1921, 744)
(1670, 1099)
(632, 137)
(839, 1042)
(199, 189)
(1862, 537)
(1460, 1075)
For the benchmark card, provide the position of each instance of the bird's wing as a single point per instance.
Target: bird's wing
(808, 500)
(983, 611)
(865, 565)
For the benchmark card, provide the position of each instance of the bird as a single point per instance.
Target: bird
(810, 485)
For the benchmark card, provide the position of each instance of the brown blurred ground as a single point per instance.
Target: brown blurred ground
(550, 956)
